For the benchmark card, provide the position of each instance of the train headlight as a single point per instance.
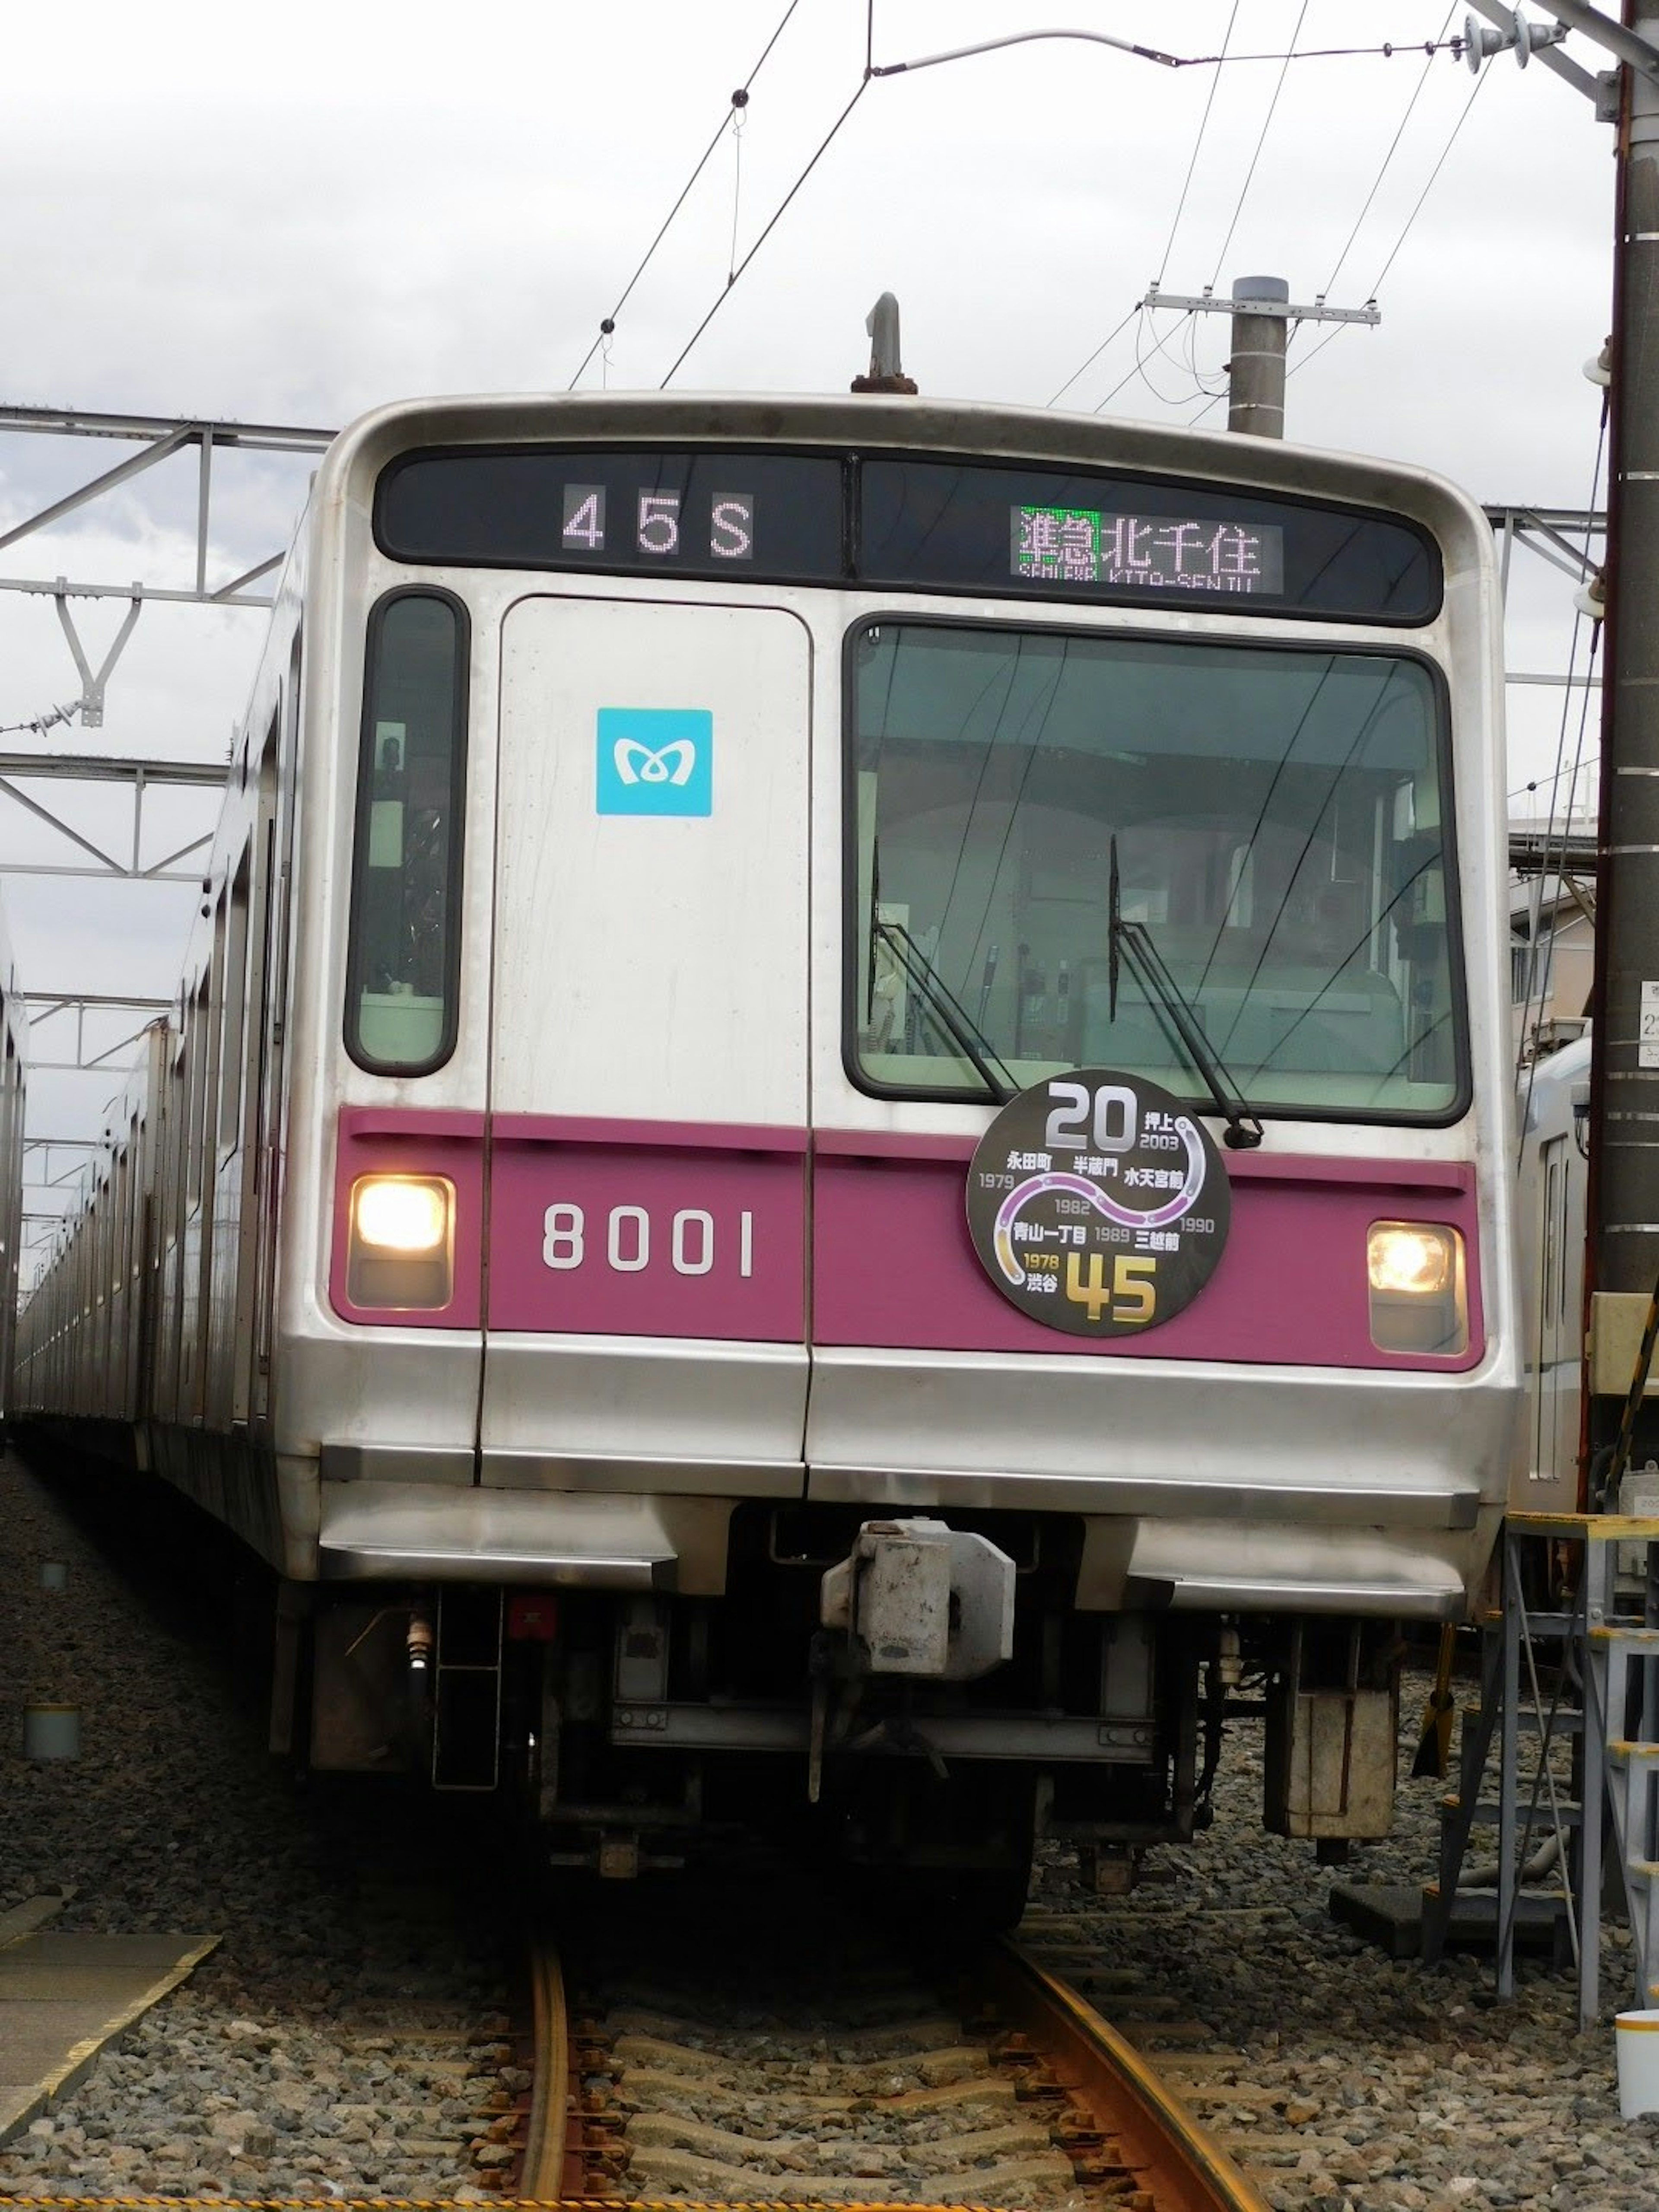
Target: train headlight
(401, 1253)
(1419, 1299)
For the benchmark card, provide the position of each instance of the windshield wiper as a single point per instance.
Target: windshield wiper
(948, 1010)
(1132, 942)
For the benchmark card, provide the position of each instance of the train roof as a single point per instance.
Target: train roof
(882, 422)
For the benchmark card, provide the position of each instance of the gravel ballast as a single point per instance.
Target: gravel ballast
(332, 2043)
(338, 2041)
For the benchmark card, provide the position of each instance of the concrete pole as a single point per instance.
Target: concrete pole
(1255, 388)
(1624, 1197)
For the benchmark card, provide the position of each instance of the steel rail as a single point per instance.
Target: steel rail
(1174, 2161)
(548, 2150)
(1172, 2156)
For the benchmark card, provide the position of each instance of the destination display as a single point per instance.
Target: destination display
(916, 526)
(1147, 553)
(1097, 1204)
(1082, 534)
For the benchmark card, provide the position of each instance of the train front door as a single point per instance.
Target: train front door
(646, 1324)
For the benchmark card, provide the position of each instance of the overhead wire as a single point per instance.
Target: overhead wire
(1162, 346)
(1133, 372)
(1544, 782)
(1338, 328)
(737, 195)
(1250, 175)
(1139, 368)
(1481, 83)
(1195, 371)
(726, 292)
(1387, 158)
(739, 101)
(1201, 388)
(1198, 147)
(1117, 332)
(1386, 51)
(1174, 225)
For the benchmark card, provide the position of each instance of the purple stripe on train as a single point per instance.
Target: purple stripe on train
(692, 1229)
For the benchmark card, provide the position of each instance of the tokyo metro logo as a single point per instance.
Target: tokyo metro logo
(654, 760)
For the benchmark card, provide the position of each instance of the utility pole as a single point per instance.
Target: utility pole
(1256, 371)
(1621, 1422)
(1624, 1253)
(1262, 314)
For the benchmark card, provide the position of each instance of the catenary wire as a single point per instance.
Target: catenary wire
(1169, 243)
(1337, 329)
(608, 323)
(1087, 365)
(1394, 148)
(1139, 368)
(1133, 372)
(736, 197)
(1386, 51)
(1545, 782)
(726, 292)
(1250, 175)
(1198, 147)
(1479, 86)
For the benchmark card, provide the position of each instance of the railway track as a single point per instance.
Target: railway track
(676, 2083)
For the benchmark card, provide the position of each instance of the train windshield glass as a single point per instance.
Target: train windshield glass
(1277, 816)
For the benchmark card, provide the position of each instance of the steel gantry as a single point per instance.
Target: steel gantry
(159, 437)
(1569, 539)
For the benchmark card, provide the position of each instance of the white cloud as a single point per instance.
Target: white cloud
(292, 219)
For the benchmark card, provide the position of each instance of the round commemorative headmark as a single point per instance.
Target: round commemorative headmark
(1097, 1204)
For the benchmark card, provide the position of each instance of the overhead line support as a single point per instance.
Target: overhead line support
(1262, 312)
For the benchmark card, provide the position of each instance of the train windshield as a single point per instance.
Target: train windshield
(1280, 819)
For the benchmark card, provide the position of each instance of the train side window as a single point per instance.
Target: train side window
(201, 1074)
(404, 946)
(235, 1008)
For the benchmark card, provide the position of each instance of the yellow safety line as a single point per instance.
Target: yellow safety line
(481, 2204)
(66, 2075)
(1594, 1527)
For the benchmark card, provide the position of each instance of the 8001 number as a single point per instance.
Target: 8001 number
(692, 1240)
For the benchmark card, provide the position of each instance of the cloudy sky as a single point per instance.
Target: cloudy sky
(290, 218)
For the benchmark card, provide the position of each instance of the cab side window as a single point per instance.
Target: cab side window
(404, 948)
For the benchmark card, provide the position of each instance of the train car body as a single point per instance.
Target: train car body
(1552, 1186)
(14, 1069)
(704, 1198)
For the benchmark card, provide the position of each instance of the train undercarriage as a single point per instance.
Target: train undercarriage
(918, 1700)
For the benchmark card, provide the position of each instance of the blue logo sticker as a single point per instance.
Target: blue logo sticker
(655, 760)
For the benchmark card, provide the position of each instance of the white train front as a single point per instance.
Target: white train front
(666, 835)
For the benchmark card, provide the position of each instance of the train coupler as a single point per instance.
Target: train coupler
(916, 1597)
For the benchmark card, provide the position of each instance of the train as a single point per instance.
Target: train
(1552, 1179)
(838, 1135)
(14, 1078)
